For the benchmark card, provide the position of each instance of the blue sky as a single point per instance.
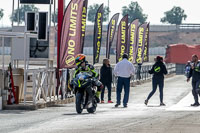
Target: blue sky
(153, 8)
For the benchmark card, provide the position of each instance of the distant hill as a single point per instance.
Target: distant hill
(160, 35)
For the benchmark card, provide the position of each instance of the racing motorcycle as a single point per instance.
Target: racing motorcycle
(80, 83)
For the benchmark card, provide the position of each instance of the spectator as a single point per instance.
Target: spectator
(187, 69)
(139, 71)
(158, 70)
(123, 70)
(106, 79)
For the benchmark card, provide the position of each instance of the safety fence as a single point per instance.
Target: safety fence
(89, 51)
(141, 74)
(41, 83)
(188, 27)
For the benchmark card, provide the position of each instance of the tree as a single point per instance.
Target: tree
(1, 14)
(134, 11)
(22, 10)
(92, 12)
(174, 16)
(56, 17)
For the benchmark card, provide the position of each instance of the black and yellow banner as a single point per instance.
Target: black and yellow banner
(146, 46)
(83, 26)
(111, 33)
(141, 43)
(97, 34)
(71, 34)
(132, 40)
(121, 46)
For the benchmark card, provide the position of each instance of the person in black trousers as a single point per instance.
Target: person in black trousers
(106, 79)
(158, 70)
(123, 71)
(195, 74)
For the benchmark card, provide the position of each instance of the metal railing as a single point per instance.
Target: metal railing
(189, 26)
(43, 83)
(144, 75)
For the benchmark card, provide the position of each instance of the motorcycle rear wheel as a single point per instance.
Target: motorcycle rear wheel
(93, 108)
(79, 106)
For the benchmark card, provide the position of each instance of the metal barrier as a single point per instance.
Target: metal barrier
(43, 85)
(144, 74)
(43, 82)
(189, 26)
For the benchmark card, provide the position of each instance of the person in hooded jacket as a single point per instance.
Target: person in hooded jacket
(106, 79)
(158, 70)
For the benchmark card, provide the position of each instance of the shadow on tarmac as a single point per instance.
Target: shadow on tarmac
(119, 107)
(13, 111)
(74, 114)
(153, 106)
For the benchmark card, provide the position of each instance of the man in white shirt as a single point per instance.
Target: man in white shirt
(123, 70)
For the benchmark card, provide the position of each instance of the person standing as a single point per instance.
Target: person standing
(195, 74)
(139, 71)
(158, 70)
(123, 70)
(187, 69)
(106, 79)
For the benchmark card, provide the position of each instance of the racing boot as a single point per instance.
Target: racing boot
(97, 96)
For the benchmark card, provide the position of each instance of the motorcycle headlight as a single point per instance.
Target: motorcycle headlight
(81, 79)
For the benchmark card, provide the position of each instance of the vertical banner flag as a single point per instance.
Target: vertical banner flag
(84, 16)
(132, 40)
(71, 34)
(141, 43)
(111, 33)
(97, 34)
(146, 46)
(121, 45)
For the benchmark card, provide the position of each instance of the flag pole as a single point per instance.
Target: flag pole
(60, 19)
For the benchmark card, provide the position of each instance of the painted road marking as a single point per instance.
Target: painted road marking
(184, 104)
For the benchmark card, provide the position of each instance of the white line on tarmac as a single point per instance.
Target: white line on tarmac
(184, 104)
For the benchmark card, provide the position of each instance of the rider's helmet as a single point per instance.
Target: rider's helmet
(80, 58)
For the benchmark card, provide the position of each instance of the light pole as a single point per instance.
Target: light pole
(13, 7)
(108, 10)
(18, 15)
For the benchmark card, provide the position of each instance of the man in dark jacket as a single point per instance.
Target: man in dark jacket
(106, 79)
(195, 74)
(158, 70)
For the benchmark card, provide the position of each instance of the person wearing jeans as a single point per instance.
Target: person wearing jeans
(126, 83)
(123, 70)
(158, 70)
(106, 79)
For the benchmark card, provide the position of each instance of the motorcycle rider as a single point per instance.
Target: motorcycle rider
(195, 74)
(83, 66)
